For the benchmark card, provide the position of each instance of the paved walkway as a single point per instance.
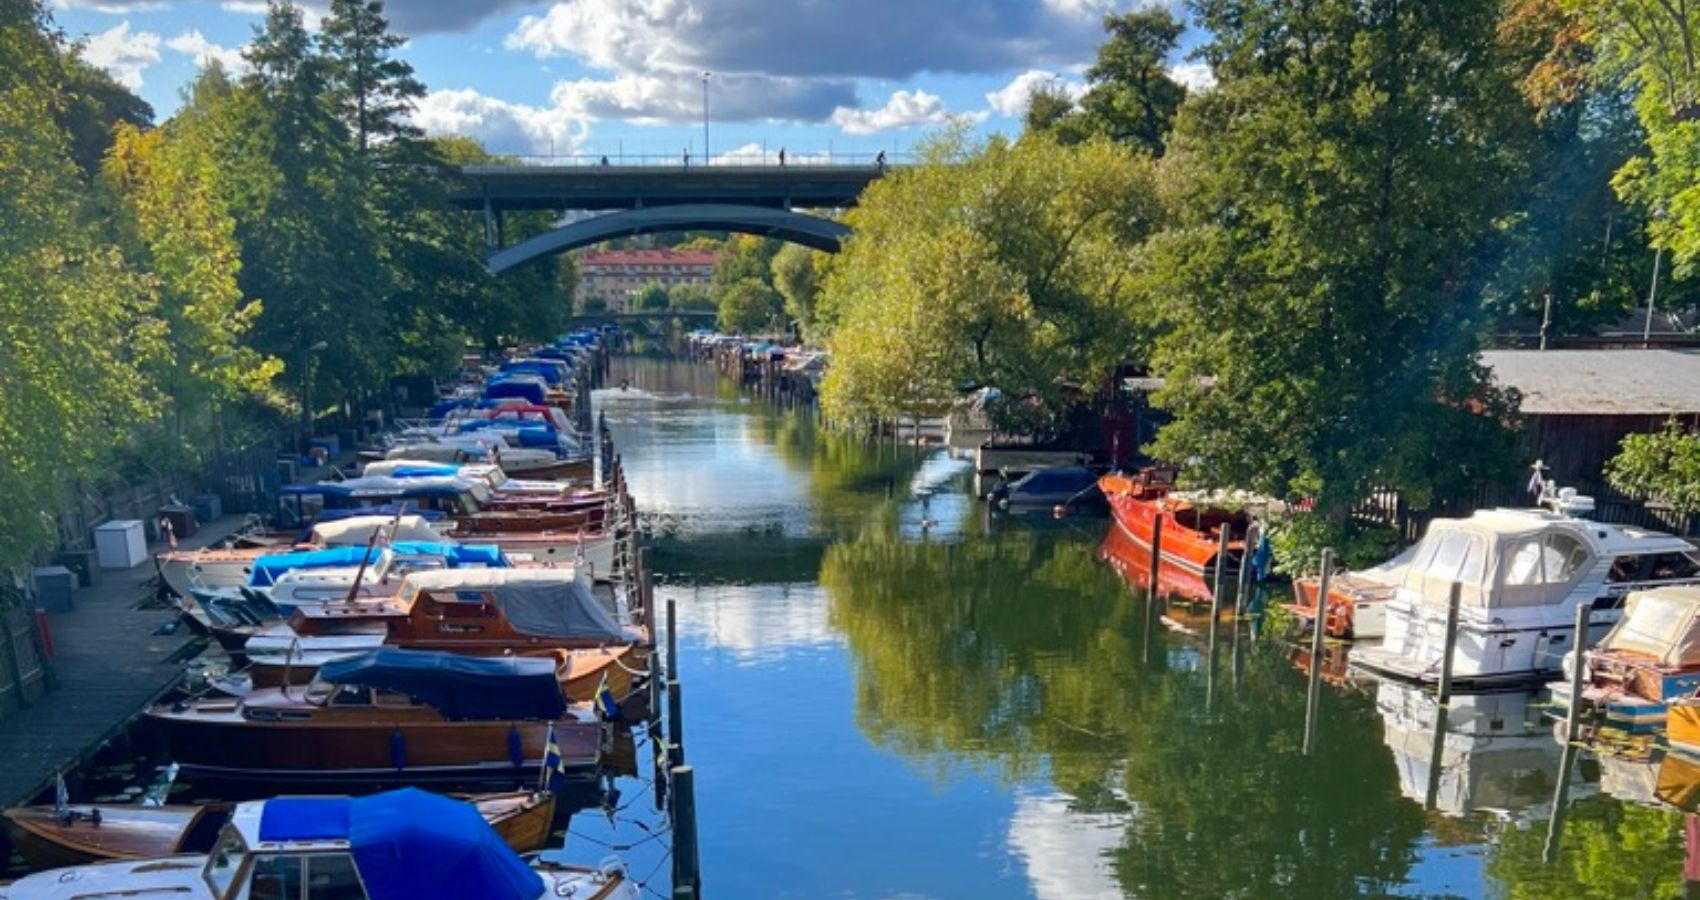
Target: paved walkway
(109, 665)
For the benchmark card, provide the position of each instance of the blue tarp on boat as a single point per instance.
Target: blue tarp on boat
(423, 471)
(530, 390)
(409, 844)
(459, 687)
(455, 555)
(266, 569)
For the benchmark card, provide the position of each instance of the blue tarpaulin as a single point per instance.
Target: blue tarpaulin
(455, 555)
(423, 471)
(459, 687)
(266, 569)
(530, 390)
(409, 844)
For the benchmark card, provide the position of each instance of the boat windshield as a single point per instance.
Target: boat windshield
(224, 863)
(319, 691)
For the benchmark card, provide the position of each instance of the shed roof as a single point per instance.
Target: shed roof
(1600, 382)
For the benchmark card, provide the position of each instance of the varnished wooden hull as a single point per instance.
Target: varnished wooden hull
(371, 749)
(579, 687)
(1182, 545)
(1682, 726)
(564, 469)
(524, 819)
(1132, 561)
(125, 832)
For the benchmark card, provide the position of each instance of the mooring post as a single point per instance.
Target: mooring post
(1452, 600)
(1221, 563)
(675, 723)
(1151, 591)
(687, 867)
(1242, 583)
(1319, 632)
(1578, 644)
(1560, 805)
(1156, 556)
(1437, 755)
(672, 640)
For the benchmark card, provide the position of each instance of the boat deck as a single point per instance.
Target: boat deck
(109, 665)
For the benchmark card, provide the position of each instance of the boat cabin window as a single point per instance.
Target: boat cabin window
(1654, 567)
(224, 862)
(332, 876)
(1549, 559)
(352, 695)
(277, 878)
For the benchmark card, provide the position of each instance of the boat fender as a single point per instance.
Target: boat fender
(516, 750)
(398, 750)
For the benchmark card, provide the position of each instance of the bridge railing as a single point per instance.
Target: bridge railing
(735, 159)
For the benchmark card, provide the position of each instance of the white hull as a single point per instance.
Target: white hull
(1514, 647)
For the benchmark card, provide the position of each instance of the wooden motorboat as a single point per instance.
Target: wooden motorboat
(1192, 524)
(1132, 560)
(1649, 658)
(386, 714)
(229, 568)
(1355, 603)
(1521, 574)
(50, 838)
(404, 843)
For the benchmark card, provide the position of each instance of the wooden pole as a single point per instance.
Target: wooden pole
(1319, 631)
(687, 866)
(1151, 592)
(1221, 564)
(672, 640)
(1437, 754)
(1156, 556)
(1560, 805)
(1253, 534)
(1578, 644)
(1452, 601)
(675, 723)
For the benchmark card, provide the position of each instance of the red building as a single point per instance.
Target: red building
(615, 276)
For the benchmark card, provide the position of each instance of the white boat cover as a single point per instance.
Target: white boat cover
(555, 602)
(1663, 623)
(357, 530)
(1501, 558)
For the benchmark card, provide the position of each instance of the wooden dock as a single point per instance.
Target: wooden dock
(109, 665)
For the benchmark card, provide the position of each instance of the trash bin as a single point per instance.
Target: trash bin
(120, 544)
(54, 586)
(208, 507)
(81, 564)
(182, 519)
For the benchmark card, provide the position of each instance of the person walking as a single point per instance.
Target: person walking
(782, 156)
(687, 157)
(880, 160)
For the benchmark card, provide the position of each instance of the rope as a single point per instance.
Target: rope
(644, 881)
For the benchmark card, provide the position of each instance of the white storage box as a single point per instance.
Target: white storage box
(120, 544)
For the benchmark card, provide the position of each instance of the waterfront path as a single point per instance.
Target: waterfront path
(109, 664)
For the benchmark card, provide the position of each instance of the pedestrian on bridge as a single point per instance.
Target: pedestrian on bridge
(880, 160)
(687, 157)
(782, 156)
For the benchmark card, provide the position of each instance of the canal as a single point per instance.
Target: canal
(890, 692)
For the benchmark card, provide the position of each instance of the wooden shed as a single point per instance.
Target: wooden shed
(1579, 404)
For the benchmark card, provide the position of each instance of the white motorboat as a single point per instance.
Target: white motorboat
(1521, 575)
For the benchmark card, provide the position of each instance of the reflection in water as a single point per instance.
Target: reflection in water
(894, 693)
(1496, 756)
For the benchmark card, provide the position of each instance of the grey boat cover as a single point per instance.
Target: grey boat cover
(554, 602)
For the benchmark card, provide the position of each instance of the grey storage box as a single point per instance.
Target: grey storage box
(54, 588)
(208, 507)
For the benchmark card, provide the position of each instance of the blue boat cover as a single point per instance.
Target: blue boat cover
(388, 509)
(424, 471)
(266, 569)
(442, 408)
(409, 844)
(459, 687)
(530, 391)
(455, 555)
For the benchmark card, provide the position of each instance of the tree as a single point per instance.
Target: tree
(689, 296)
(651, 296)
(1130, 97)
(372, 90)
(1664, 465)
(797, 272)
(748, 307)
(79, 325)
(1334, 201)
(1006, 264)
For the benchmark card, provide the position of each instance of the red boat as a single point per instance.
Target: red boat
(1191, 530)
(1132, 560)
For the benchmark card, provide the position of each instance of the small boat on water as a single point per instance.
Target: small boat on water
(214, 568)
(50, 837)
(1650, 658)
(1192, 522)
(1047, 488)
(392, 846)
(386, 714)
(1521, 575)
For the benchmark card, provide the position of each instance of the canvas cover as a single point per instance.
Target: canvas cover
(357, 530)
(532, 390)
(453, 555)
(402, 467)
(1500, 559)
(555, 602)
(458, 687)
(1663, 623)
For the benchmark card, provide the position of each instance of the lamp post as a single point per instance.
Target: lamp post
(1653, 291)
(705, 157)
(307, 394)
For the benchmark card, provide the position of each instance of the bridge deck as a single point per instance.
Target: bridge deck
(579, 187)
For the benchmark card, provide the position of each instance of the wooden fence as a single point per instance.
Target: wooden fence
(1386, 507)
(23, 677)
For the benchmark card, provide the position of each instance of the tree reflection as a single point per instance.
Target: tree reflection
(1019, 655)
(1610, 850)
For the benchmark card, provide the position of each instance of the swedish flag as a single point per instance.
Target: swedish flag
(605, 703)
(554, 770)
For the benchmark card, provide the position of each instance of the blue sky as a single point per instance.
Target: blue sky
(624, 76)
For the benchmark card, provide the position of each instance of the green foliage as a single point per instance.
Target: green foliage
(651, 296)
(748, 306)
(797, 273)
(1008, 264)
(1299, 539)
(689, 296)
(1334, 202)
(372, 90)
(1610, 849)
(1130, 97)
(1663, 466)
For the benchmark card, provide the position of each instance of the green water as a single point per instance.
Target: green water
(892, 693)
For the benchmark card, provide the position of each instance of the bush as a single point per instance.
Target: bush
(1298, 541)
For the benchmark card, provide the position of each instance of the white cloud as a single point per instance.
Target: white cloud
(501, 126)
(194, 44)
(905, 109)
(123, 55)
(245, 7)
(112, 7)
(1195, 75)
(1012, 99)
(674, 98)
